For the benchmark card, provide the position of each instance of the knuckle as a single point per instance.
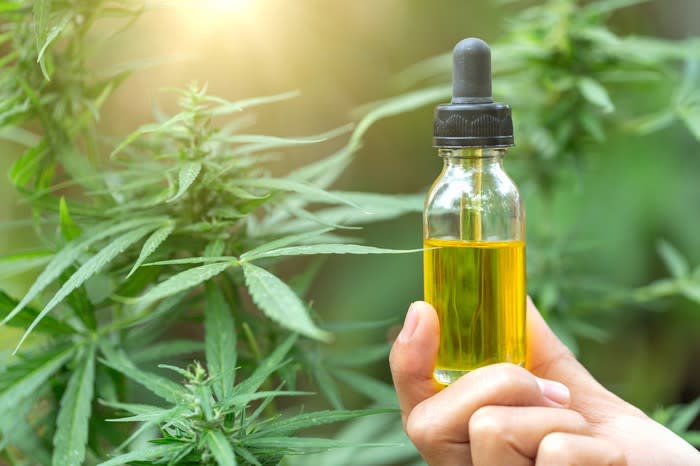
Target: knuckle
(575, 422)
(514, 377)
(558, 448)
(618, 460)
(553, 446)
(615, 457)
(486, 423)
(420, 427)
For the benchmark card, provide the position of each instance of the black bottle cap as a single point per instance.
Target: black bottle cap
(472, 118)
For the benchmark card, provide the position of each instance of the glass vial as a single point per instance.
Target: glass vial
(474, 227)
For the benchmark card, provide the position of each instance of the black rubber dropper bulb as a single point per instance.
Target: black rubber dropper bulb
(471, 72)
(472, 118)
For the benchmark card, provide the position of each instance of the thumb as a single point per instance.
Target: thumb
(549, 358)
(413, 355)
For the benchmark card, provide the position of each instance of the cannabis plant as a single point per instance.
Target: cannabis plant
(175, 228)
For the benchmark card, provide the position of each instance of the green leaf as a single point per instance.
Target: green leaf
(258, 142)
(692, 437)
(373, 208)
(24, 378)
(673, 259)
(248, 456)
(227, 106)
(152, 322)
(299, 445)
(325, 171)
(69, 229)
(151, 244)
(301, 282)
(396, 106)
(220, 339)
(293, 424)
(148, 129)
(151, 417)
(135, 409)
(593, 125)
(360, 358)
(41, 11)
(279, 302)
(183, 281)
(305, 214)
(607, 6)
(284, 241)
(66, 256)
(188, 173)
(245, 398)
(139, 281)
(655, 122)
(150, 453)
(684, 417)
(15, 264)
(596, 94)
(23, 319)
(51, 36)
(353, 326)
(27, 166)
(329, 249)
(690, 290)
(87, 270)
(285, 184)
(215, 248)
(586, 329)
(376, 202)
(164, 388)
(562, 331)
(71, 434)
(326, 384)
(385, 428)
(691, 117)
(166, 350)
(220, 448)
(243, 194)
(263, 370)
(17, 431)
(195, 260)
(368, 386)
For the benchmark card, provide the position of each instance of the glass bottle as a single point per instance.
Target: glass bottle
(474, 227)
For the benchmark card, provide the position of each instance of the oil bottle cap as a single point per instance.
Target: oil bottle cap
(472, 118)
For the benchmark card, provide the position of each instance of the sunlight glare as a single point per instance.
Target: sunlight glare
(229, 5)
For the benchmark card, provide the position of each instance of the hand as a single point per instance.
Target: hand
(554, 414)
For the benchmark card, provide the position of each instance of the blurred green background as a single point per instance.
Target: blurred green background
(341, 55)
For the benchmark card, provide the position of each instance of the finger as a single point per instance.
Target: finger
(443, 420)
(549, 358)
(564, 449)
(412, 357)
(510, 436)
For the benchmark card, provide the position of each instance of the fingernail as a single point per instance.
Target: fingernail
(554, 391)
(409, 324)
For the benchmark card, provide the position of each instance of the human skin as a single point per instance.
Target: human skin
(552, 413)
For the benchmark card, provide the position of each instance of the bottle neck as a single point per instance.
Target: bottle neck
(472, 157)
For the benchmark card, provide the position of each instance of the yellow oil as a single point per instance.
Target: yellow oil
(478, 290)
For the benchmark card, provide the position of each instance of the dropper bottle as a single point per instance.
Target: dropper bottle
(474, 226)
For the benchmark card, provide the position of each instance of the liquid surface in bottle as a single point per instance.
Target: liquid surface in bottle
(478, 290)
